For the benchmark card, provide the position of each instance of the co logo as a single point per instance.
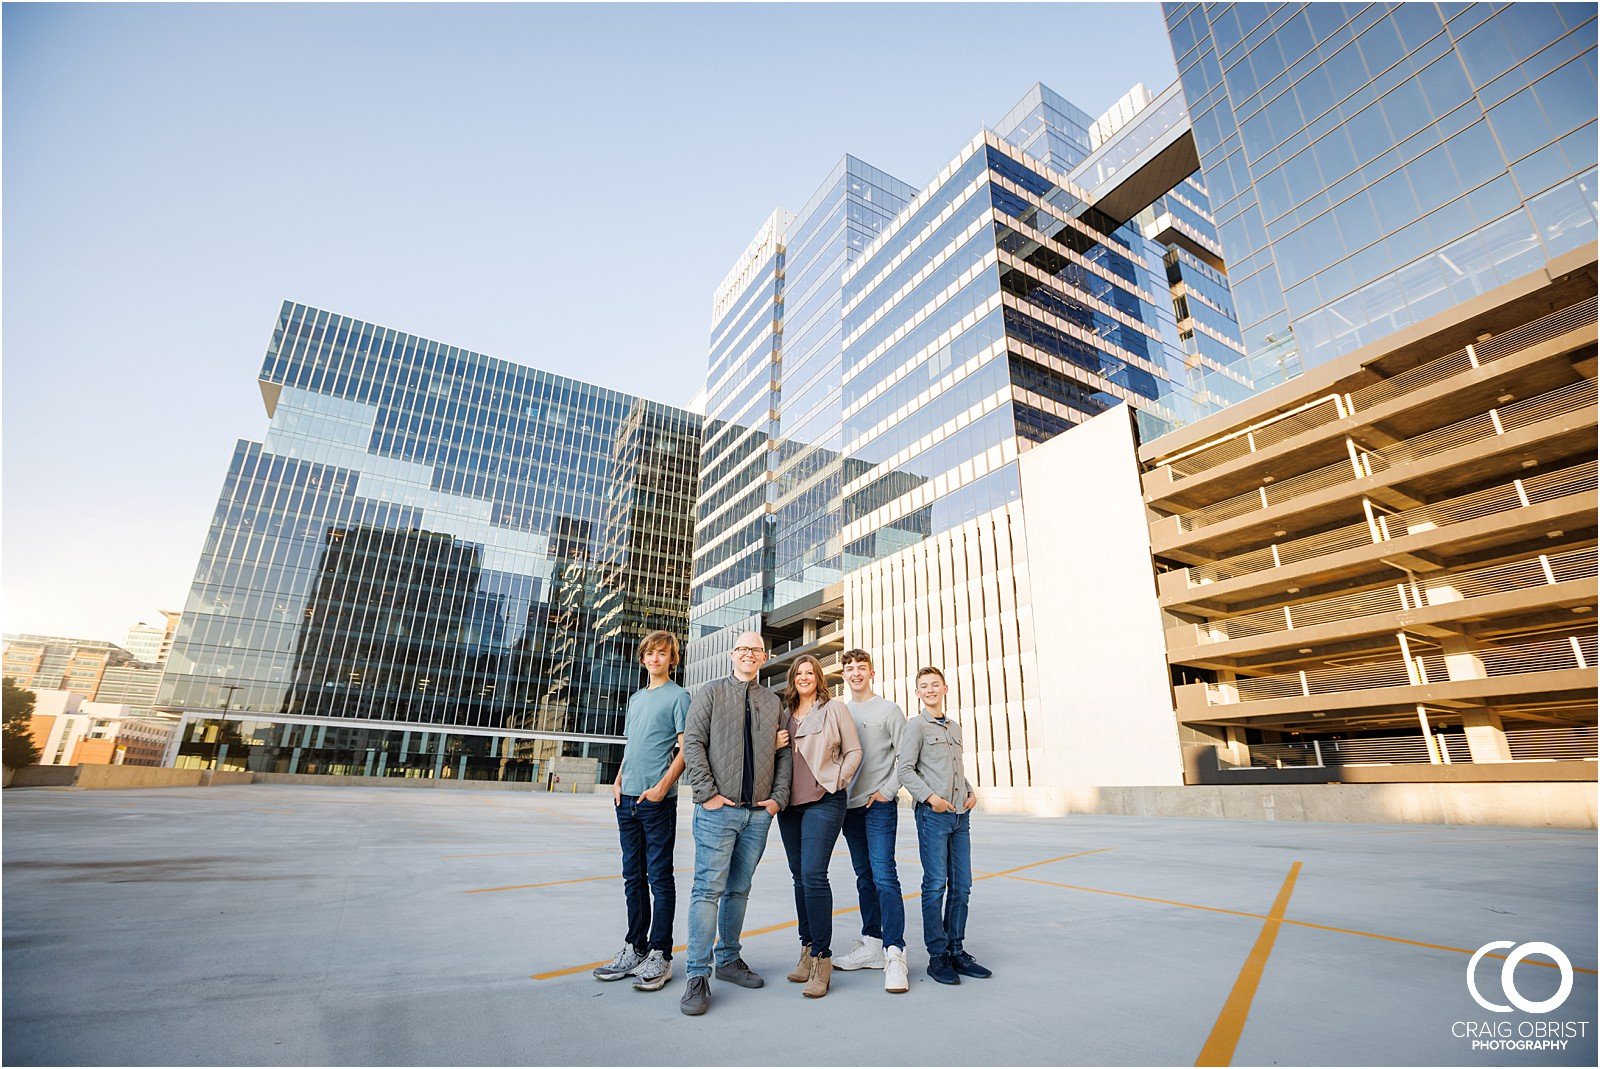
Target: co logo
(1508, 977)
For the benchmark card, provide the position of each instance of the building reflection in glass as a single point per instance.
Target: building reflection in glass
(435, 563)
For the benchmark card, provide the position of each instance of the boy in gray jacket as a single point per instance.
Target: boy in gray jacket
(931, 769)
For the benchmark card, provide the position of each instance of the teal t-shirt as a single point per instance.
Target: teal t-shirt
(655, 720)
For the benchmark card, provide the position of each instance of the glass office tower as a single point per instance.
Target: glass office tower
(772, 482)
(913, 345)
(435, 563)
(854, 204)
(1000, 310)
(733, 532)
(1371, 165)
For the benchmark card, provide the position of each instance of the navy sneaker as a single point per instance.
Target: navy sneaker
(963, 963)
(941, 969)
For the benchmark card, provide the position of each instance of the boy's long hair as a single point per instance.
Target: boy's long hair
(791, 697)
(658, 640)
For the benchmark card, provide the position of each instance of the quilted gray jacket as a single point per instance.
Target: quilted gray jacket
(713, 742)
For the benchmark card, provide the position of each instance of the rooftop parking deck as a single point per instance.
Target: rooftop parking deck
(314, 925)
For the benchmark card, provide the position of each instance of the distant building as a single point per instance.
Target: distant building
(49, 662)
(150, 643)
(95, 671)
(134, 685)
(144, 642)
(71, 731)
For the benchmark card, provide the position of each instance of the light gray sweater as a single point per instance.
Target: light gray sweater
(880, 723)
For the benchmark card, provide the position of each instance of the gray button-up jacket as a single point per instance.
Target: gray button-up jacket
(930, 760)
(713, 743)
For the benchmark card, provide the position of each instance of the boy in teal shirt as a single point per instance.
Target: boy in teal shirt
(646, 798)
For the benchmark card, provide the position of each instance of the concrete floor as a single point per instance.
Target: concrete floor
(313, 925)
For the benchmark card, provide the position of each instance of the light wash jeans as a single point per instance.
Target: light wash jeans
(728, 844)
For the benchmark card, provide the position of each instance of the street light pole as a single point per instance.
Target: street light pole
(222, 728)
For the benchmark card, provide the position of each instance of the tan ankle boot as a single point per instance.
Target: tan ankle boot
(802, 971)
(821, 974)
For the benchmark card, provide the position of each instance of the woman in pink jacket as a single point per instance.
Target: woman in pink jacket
(826, 752)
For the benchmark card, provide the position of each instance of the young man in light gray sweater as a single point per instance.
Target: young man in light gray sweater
(871, 821)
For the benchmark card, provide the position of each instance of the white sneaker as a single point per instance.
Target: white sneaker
(896, 978)
(866, 954)
(626, 963)
(654, 972)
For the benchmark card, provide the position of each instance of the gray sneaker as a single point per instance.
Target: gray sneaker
(737, 972)
(654, 972)
(626, 963)
(697, 999)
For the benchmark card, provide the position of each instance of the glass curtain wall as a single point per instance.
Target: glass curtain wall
(1373, 164)
(852, 207)
(434, 539)
(733, 540)
(998, 310)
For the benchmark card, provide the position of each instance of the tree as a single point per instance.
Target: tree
(19, 748)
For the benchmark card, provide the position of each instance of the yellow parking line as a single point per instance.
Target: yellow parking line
(553, 883)
(1140, 898)
(1289, 921)
(532, 853)
(555, 973)
(581, 879)
(769, 929)
(1224, 1038)
(1427, 946)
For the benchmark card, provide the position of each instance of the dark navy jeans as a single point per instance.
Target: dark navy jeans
(649, 831)
(870, 831)
(945, 843)
(810, 832)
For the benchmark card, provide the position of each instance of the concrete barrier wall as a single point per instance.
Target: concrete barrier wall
(114, 777)
(1527, 805)
(44, 776)
(400, 781)
(1523, 805)
(121, 777)
(110, 777)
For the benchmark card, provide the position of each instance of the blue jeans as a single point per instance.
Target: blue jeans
(810, 831)
(945, 843)
(649, 832)
(728, 844)
(870, 833)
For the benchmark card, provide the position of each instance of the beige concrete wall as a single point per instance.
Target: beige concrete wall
(44, 776)
(1524, 805)
(120, 777)
(401, 781)
(111, 777)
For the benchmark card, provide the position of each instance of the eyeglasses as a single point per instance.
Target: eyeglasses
(749, 651)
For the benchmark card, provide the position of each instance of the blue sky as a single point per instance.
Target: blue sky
(560, 185)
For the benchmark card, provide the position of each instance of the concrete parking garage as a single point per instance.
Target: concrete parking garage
(308, 925)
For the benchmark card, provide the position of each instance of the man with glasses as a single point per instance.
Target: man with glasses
(740, 771)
